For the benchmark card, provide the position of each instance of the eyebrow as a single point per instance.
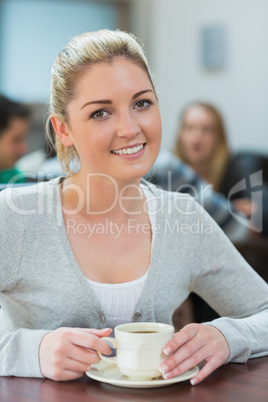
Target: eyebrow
(109, 102)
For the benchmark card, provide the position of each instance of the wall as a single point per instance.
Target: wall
(32, 34)
(171, 32)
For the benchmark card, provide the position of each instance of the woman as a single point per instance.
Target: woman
(202, 144)
(100, 247)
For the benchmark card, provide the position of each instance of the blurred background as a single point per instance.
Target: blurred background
(215, 51)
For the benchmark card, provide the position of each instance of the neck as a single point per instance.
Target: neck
(100, 196)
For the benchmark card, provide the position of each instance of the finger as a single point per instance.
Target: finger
(74, 365)
(65, 374)
(183, 353)
(98, 332)
(180, 338)
(173, 370)
(90, 341)
(84, 355)
(68, 375)
(209, 367)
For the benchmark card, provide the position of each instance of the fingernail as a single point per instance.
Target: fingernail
(163, 369)
(192, 381)
(167, 350)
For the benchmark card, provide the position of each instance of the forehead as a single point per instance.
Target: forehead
(105, 78)
(198, 114)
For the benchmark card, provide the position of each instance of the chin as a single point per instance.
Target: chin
(130, 179)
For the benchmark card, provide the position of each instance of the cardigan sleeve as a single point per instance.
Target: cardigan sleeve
(19, 349)
(11, 237)
(231, 286)
(19, 352)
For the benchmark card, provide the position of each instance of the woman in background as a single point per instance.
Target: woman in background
(202, 144)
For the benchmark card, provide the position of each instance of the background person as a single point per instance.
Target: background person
(171, 174)
(14, 125)
(202, 143)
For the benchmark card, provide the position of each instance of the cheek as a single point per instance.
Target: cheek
(92, 147)
(4, 144)
(157, 131)
(10, 147)
(90, 141)
(211, 144)
(186, 141)
(154, 127)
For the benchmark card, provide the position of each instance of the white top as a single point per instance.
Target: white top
(118, 300)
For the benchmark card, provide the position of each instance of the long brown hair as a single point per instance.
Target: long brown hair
(222, 154)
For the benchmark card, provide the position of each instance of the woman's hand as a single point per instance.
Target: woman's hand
(66, 353)
(246, 206)
(192, 345)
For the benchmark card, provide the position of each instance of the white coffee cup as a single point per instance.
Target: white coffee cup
(139, 348)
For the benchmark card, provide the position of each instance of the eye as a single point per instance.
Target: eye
(99, 114)
(143, 104)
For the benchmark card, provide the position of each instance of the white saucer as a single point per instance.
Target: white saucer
(109, 373)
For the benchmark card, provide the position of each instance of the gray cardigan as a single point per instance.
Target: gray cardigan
(42, 287)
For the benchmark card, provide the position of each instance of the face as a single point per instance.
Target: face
(13, 142)
(198, 136)
(114, 121)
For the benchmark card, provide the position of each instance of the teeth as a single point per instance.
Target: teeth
(128, 151)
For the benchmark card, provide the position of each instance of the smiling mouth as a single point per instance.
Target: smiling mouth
(128, 151)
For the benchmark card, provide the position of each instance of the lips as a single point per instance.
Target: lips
(128, 150)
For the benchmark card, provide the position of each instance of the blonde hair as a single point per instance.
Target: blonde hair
(221, 155)
(82, 52)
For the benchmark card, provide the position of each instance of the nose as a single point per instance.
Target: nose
(127, 125)
(197, 132)
(196, 135)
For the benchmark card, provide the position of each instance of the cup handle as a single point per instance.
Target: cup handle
(105, 358)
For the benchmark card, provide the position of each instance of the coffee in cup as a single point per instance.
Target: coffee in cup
(139, 348)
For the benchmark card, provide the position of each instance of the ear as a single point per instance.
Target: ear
(62, 131)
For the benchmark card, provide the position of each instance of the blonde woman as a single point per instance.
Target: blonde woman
(83, 253)
(202, 144)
